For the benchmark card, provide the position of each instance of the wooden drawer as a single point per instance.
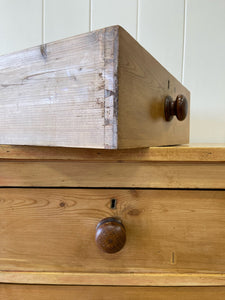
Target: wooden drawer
(52, 230)
(95, 90)
(47, 292)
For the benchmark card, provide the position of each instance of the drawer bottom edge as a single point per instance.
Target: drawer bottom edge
(58, 292)
(114, 279)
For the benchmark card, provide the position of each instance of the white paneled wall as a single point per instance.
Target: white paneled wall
(186, 36)
(160, 31)
(112, 12)
(20, 24)
(64, 18)
(204, 68)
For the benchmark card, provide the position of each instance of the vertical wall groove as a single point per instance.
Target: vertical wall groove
(137, 19)
(184, 41)
(90, 15)
(43, 23)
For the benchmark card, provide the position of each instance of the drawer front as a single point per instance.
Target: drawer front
(166, 230)
(48, 292)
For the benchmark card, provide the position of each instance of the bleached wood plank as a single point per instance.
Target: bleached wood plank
(58, 97)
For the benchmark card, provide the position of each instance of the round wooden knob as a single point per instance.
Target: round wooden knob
(178, 108)
(110, 235)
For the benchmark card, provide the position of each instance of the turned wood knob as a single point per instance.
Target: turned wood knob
(178, 108)
(110, 235)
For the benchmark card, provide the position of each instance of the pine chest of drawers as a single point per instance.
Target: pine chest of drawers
(166, 208)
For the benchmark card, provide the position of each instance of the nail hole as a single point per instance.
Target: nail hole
(173, 258)
(113, 203)
(168, 84)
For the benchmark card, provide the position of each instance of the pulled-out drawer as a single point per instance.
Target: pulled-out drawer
(96, 90)
(54, 229)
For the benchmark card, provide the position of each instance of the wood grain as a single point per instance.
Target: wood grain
(48, 292)
(96, 90)
(143, 87)
(114, 279)
(112, 174)
(55, 95)
(183, 153)
(168, 231)
(110, 235)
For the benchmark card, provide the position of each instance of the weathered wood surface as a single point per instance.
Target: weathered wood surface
(168, 231)
(184, 153)
(48, 292)
(63, 98)
(96, 90)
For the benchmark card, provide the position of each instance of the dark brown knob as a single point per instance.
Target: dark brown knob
(110, 235)
(178, 108)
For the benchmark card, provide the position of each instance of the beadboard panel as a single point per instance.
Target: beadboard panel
(114, 12)
(204, 70)
(65, 18)
(20, 24)
(160, 31)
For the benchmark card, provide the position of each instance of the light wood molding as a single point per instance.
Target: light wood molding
(110, 279)
(58, 292)
(182, 153)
